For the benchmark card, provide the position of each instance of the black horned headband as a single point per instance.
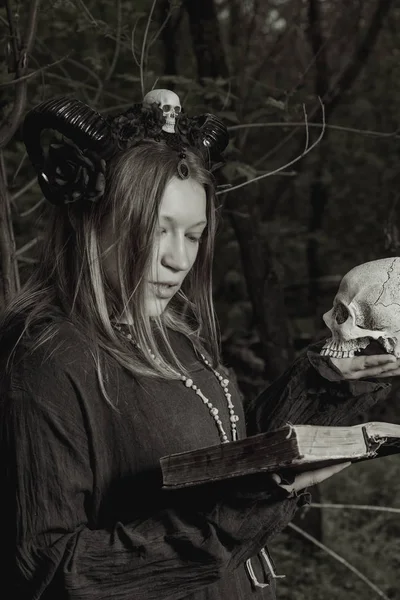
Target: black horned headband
(74, 168)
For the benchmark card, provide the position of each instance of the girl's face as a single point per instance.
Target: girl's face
(181, 222)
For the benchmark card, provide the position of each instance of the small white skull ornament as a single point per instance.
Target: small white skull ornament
(366, 308)
(170, 105)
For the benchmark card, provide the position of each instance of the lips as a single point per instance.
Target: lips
(165, 290)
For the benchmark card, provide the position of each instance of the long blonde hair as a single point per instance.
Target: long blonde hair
(70, 278)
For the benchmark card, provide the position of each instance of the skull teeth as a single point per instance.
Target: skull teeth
(339, 349)
(169, 127)
(337, 353)
(343, 349)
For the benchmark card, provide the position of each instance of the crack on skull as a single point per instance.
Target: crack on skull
(389, 271)
(387, 305)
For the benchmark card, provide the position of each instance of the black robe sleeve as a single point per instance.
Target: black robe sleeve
(54, 551)
(313, 391)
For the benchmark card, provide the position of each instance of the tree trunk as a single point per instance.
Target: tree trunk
(332, 92)
(9, 267)
(319, 191)
(265, 293)
(19, 65)
(170, 37)
(263, 285)
(207, 45)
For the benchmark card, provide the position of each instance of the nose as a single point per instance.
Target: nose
(175, 255)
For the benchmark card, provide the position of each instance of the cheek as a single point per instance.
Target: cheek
(193, 253)
(155, 259)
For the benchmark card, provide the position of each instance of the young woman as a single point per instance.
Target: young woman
(109, 360)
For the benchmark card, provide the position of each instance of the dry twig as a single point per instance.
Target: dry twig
(24, 189)
(306, 151)
(290, 124)
(355, 507)
(143, 53)
(340, 559)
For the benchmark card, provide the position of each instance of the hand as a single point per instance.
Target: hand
(379, 365)
(309, 478)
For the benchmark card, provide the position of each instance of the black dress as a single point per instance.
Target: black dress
(84, 516)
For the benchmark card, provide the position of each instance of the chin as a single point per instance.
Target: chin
(155, 307)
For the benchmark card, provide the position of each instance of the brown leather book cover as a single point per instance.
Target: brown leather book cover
(293, 447)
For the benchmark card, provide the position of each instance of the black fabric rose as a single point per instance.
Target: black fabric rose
(206, 133)
(74, 175)
(136, 124)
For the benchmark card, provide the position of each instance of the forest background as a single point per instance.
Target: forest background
(314, 80)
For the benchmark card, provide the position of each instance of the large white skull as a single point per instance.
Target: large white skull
(170, 105)
(366, 307)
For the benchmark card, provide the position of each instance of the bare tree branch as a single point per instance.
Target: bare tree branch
(27, 246)
(346, 78)
(88, 13)
(306, 151)
(30, 75)
(9, 267)
(12, 121)
(208, 49)
(133, 51)
(117, 43)
(289, 124)
(318, 45)
(22, 50)
(143, 53)
(340, 559)
(77, 84)
(354, 507)
(13, 33)
(24, 189)
(33, 208)
(17, 170)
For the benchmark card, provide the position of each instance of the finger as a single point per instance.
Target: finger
(378, 359)
(355, 367)
(310, 478)
(383, 371)
(389, 373)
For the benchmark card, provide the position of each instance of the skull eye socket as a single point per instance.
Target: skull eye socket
(177, 110)
(372, 327)
(166, 107)
(341, 314)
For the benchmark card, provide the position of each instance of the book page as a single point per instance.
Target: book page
(317, 443)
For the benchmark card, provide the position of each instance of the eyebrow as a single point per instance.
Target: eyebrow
(172, 220)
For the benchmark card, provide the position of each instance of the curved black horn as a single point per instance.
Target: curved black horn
(73, 119)
(213, 135)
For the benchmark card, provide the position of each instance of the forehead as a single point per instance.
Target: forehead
(184, 202)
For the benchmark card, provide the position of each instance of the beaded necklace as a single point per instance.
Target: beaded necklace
(214, 412)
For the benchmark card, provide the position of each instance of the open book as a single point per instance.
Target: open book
(294, 447)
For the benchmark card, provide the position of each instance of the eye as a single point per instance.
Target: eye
(195, 239)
